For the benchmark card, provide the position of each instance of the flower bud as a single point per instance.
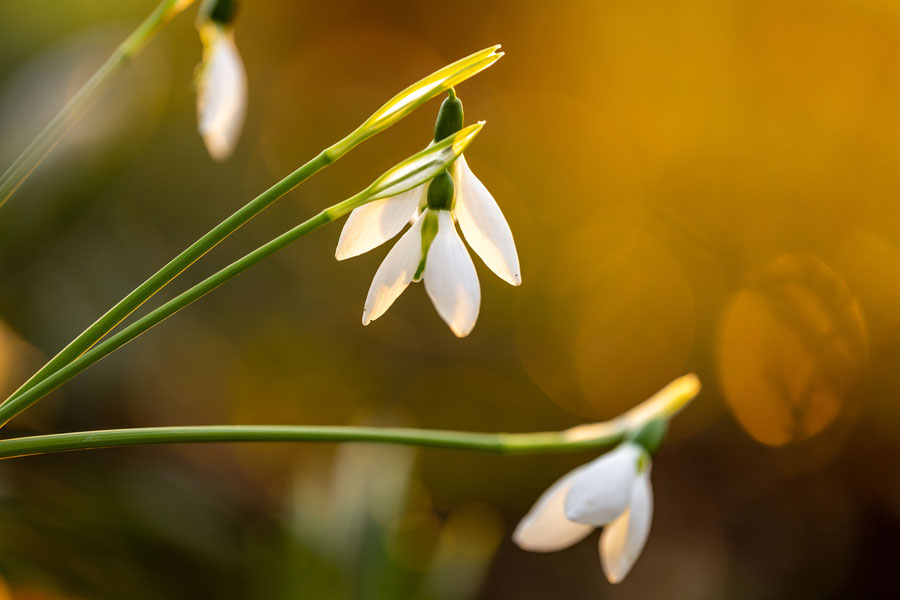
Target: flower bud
(450, 117)
(440, 191)
(218, 11)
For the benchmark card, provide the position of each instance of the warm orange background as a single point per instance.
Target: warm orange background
(706, 186)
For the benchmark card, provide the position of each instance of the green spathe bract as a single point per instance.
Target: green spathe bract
(420, 92)
(425, 165)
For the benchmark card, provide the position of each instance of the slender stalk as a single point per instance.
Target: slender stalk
(18, 403)
(394, 110)
(485, 442)
(406, 175)
(606, 434)
(161, 278)
(41, 146)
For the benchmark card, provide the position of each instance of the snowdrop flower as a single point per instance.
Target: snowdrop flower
(431, 250)
(612, 492)
(448, 271)
(221, 80)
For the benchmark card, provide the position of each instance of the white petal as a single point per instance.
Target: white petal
(221, 96)
(622, 540)
(602, 491)
(374, 223)
(450, 278)
(395, 273)
(484, 225)
(545, 528)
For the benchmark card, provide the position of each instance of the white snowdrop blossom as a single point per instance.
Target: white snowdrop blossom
(612, 492)
(449, 274)
(221, 91)
(482, 223)
(431, 250)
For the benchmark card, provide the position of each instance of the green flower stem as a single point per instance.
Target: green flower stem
(485, 442)
(86, 340)
(406, 175)
(606, 434)
(41, 146)
(43, 386)
(394, 110)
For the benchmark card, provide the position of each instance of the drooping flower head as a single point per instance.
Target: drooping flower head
(431, 250)
(221, 80)
(612, 492)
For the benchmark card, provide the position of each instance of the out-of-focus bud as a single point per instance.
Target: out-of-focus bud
(221, 80)
(218, 11)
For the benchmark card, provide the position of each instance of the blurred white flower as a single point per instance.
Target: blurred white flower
(612, 492)
(221, 91)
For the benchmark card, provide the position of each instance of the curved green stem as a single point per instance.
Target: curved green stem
(663, 405)
(41, 146)
(395, 109)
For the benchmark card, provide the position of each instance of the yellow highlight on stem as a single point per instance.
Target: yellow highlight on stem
(664, 404)
(176, 6)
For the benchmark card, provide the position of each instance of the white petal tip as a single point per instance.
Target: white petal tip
(347, 250)
(616, 577)
(461, 333)
(533, 541)
(218, 149)
(522, 541)
(513, 279)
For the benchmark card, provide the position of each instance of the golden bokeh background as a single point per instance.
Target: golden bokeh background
(706, 185)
